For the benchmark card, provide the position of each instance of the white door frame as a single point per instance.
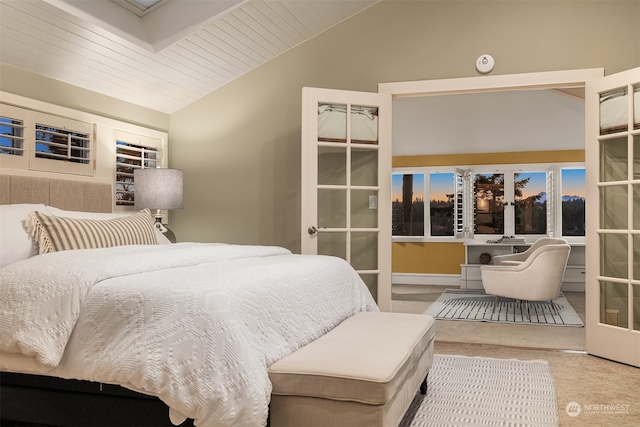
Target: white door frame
(497, 83)
(493, 83)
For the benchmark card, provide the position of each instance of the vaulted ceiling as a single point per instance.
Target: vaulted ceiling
(163, 58)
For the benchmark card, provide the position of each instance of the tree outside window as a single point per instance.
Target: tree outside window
(489, 203)
(530, 196)
(408, 204)
(573, 202)
(441, 203)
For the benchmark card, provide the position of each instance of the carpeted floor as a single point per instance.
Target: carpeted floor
(472, 391)
(596, 384)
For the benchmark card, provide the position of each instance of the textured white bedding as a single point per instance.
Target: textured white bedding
(195, 324)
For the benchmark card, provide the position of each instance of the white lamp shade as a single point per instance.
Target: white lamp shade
(157, 188)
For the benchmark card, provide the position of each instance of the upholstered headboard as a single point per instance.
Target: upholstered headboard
(60, 193)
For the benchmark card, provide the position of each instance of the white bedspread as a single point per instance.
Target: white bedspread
(195, 324)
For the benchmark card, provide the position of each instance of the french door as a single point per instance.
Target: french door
(346, 182)
(612, 150)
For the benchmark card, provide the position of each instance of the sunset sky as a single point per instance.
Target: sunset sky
(537, 183)
(573, 184)
(396, 186)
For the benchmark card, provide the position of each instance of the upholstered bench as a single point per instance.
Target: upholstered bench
(365, 372)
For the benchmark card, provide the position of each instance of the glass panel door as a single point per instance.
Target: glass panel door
(346, 169)
(613, 240)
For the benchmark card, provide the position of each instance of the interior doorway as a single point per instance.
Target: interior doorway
(571, 83)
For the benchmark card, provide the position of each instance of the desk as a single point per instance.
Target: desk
(574, 275)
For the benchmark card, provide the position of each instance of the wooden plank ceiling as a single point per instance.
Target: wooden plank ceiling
(47, 37)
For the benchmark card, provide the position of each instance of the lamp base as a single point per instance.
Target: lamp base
(164, 229)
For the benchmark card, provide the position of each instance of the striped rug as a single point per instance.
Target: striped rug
(473, 391)
(476, 305)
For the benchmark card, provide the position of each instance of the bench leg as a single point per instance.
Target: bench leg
(423, 386)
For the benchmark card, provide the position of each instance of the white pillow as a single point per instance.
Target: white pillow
(15, 242)
(160, 237)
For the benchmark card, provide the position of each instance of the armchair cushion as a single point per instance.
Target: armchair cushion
(538, 278)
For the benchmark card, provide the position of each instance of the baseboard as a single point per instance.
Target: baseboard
(426, 279)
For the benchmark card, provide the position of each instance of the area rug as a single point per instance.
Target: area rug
(475, 391)
(476, 305)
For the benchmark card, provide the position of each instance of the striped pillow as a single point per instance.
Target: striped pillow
(55, 233)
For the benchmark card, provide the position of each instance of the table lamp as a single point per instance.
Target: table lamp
(157, 188)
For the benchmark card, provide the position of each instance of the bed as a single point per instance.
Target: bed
(146, 331)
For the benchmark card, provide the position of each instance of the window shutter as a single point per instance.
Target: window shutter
(469, 198)
(463, 205)
(61, 145)
(458, 204)
(11, 136)
(13, 152)
(133, 152)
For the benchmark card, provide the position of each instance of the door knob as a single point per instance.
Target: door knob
(313, 230)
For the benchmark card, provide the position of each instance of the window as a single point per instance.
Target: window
(408, 204)
(512, 203)
(488, 201)
(14, 149)
(573, 202)
(45, 142)
(133, 152)
(530, 198)
(441, 203)
(11, 136)
(61, 144)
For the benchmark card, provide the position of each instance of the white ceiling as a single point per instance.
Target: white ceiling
(181, 50)
(512, 121)
(167, 58)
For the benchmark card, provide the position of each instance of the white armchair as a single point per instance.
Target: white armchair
(537, 278)
(517, 258)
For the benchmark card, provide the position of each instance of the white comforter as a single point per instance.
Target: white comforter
(195, 324)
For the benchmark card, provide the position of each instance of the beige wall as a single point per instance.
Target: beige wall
(34, 86)
(239, 146)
